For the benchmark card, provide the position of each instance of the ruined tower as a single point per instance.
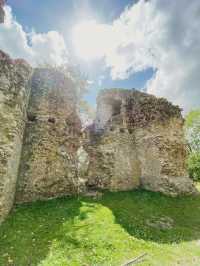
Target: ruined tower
(137, 140)
(48, 163)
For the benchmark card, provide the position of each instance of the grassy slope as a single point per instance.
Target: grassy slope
(105, 232)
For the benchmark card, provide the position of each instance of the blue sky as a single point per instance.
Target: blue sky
(44, 16)
(151, 45)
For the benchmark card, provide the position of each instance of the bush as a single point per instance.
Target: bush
(194, 166)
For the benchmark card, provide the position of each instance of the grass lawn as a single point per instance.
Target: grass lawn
(108, 231)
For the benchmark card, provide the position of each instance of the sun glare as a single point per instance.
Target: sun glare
(88, 39)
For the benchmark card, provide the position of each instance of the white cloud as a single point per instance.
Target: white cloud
(161, 34)
(90, 82)
(88, 38)
(35, 48)
(49, 47)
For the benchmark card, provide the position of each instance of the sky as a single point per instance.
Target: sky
(150, 45)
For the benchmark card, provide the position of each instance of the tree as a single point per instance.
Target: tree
(192, 128)
(194, 166)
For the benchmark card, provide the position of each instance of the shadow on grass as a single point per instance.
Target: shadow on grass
(31, 229)
(135, 211)
(69, 228)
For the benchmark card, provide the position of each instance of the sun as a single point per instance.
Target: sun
(88, 38)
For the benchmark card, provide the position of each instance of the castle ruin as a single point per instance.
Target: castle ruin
(136, 140)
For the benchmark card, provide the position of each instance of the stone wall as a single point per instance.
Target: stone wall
(137, 140)
(113, 162)
(52, 138)
(14, 94)
(162, 155)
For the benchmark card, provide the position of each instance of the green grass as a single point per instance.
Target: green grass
(109, 231)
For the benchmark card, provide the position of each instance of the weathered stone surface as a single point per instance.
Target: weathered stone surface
(162, 154)
(137, 140)
(14, 94)
(49, 165)
(113, 161)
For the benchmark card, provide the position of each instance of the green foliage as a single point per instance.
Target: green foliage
(192, 118)
(192, 128)
(107, 232)
(194, 166)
